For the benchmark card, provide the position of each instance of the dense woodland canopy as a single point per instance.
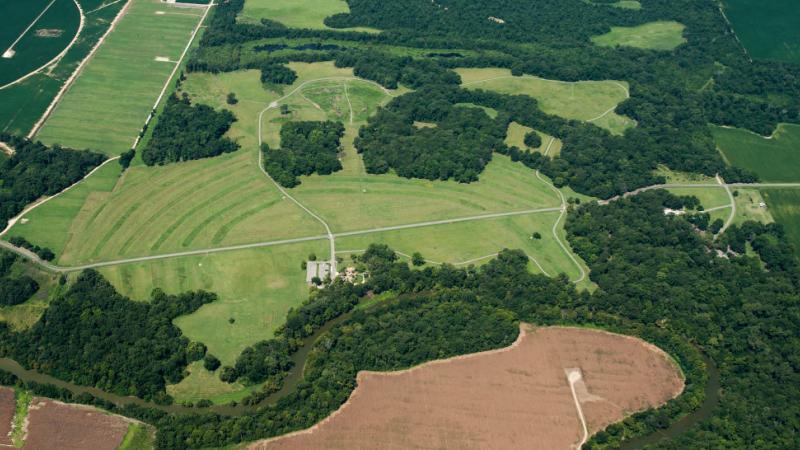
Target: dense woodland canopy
(93, 336)
(36, 170)
(306, 147)
(14, 289)
(185, 131)
(674, 94)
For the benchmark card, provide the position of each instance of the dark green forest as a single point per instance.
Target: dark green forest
(185, 132)
(14, 289)
(93, 336)
(36, 170)
(306, 147)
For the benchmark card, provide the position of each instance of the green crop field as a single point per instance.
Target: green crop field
(592, 101)
(256, 288)
(109, 102)
(22, 104)
(784, 205)
(776, 159)
(297, 13)
(769, 29)
(653, 36)
(34, 32)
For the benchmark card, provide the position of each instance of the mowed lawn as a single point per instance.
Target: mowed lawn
(591, 101)
(775, 160)
(106, 107)
(662, 35)
(769, 29)
(784, 204)
(296, 13)
(256, 288)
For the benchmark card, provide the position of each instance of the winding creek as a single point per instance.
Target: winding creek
(712, 392)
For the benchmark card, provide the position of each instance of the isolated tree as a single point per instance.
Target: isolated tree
(231, 99)
(716, 226)
(533, 140)
(536, 235)
(312, 257)
(210, 362)
(285, 109)
(417, 259)
(126, 158)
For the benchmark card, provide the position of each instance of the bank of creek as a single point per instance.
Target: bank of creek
(295, 375)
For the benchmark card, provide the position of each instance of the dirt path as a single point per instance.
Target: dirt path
(5, 148)
(67, 84)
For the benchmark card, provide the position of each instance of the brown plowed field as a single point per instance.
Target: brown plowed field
(55, 425)
(7, 408)
(516, 397)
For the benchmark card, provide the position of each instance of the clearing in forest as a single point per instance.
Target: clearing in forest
(516, 137)
(662, 35)
(590, 101)
(774, 159)
(297, 13)
(516, 397)
(106, 107)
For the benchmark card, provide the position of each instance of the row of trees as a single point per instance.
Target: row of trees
(185, 132)
(306, 147)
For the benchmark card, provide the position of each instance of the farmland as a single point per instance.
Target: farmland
(22, 104)
(54, 424)
(784, 205)
(517, 396)
(767, 29)
(652, 36)
(34, 33)
(95, 113)
(592, 101)
(776, 159)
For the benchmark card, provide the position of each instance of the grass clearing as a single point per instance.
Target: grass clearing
(710, 197)
(204, 385)
(775, 159)
(784, 205)
(256, 288)
(23, 316)
(516, 137)
(677, 177)
(23, 399)
(661, 35)
(749, 207)
(106, 107)
(138, 437)
(591, 101)
(769, 30)
(297, 13)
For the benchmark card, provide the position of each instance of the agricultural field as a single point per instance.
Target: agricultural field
(519, 396)
(652, 36)
(774, 159)
(53, 424)
(34, 32)
(98, 114)
(784, 206)
(7, 409)
(767, 29)
(295, 14)
(22, 104)
(591, 101)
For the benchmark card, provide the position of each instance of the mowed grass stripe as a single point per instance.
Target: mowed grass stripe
(223, 231)
(106, 107)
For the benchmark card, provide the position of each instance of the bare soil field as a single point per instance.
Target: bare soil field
(7, 408)
(516, 397)
(54, 424)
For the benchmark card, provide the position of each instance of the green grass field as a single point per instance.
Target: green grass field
(52, 27)
(592, 101)
(769, 29)
(516, 137)
(475, 242)
(776, 159)
(748, 207)
(784, 205)
(653, 36)
(256, 288)
(138, 437)
(297, 13)
(24, 315)
(106, 107)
